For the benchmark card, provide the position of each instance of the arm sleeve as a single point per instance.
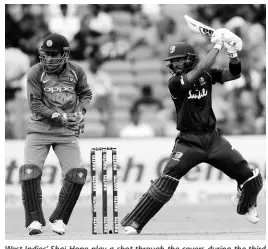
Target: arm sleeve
(216, 75)
(179, 84)
(34, 94)
(83, 91)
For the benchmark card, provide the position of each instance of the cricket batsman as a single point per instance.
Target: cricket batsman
(199, 140)
(58, 96)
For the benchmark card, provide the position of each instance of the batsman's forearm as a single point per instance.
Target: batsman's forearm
(204, 65)
(207, 62)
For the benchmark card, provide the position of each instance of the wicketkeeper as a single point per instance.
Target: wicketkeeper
(199, 140)
(58, 97)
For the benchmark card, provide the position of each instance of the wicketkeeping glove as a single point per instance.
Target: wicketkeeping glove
(81, 123)
(67, 120)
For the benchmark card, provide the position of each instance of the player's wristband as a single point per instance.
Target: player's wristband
(218, 46)
(235, 69)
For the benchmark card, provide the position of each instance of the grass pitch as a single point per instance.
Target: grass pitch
(185, 222)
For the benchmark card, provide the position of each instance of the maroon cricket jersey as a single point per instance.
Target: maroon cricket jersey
(192, 101)
(47, 93)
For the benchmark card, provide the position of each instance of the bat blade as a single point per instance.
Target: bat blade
(199, 27)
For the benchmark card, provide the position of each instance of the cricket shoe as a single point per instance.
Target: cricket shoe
(129, 230)
(58, 227)
(251, 215)
(35, 228)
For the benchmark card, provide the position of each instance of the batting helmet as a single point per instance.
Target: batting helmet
(181, 50)
(54, 43)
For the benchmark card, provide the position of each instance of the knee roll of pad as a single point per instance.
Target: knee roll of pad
(163, 188)
(77, 175)
(69, 194)
(249, 193)
(30, 177)
(29, 172)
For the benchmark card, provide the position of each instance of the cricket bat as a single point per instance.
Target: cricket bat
(199, 27)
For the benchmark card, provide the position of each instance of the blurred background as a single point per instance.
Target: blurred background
(122, 48)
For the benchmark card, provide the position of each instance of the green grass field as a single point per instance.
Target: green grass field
(185, 222)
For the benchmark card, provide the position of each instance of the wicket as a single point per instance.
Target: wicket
(104, 189)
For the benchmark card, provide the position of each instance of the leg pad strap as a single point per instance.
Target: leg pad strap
(163, 188)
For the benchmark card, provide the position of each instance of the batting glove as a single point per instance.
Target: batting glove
(232, 43)
(217, 38)
(231, 50)
(233, 40)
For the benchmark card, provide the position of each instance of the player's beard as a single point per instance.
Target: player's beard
(52, 67)
(55, 68)
(178, 68)
(179, 71)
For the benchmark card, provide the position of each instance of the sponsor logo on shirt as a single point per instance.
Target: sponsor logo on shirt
(198, 95)
(202, 81)
(177, 156)
(58, 89)
(182, 81)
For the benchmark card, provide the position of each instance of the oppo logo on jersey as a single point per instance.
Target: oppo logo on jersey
(57, 89)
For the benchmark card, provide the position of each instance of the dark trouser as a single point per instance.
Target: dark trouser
(212, 148)
(190, 150)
